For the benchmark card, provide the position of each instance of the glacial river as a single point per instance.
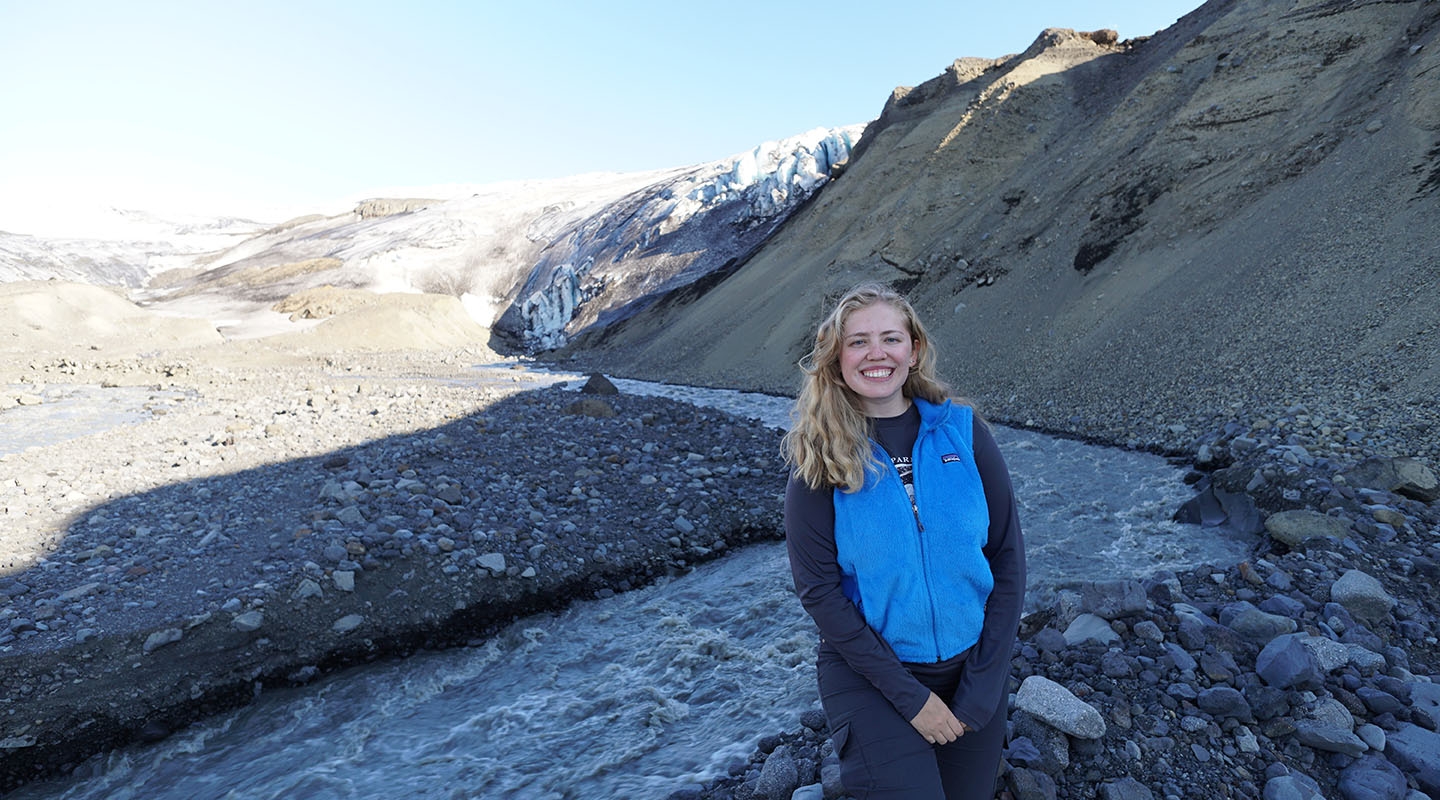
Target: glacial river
(633, 696)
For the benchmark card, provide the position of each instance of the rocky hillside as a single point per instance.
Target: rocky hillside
(1136, 240)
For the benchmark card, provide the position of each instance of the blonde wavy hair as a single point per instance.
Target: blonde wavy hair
(828, 443)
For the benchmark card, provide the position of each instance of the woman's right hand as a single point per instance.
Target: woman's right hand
(937, 723)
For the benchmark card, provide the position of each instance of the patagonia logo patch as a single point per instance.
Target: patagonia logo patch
(950, 458)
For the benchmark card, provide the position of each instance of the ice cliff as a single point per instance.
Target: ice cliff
(667, 236)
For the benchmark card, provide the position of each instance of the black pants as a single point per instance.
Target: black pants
(882, 756)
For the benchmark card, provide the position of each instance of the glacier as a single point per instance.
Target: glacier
(668, 235)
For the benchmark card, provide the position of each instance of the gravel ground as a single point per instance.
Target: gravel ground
(272, 524)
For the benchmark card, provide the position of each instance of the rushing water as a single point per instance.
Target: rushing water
(636, 695)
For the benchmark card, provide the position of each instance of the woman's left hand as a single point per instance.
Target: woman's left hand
(937, 723)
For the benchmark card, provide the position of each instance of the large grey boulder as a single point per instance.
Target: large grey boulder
(1372, 778)
(1112, 599)
(1294, 528)
(1417, 752)
(1254, 625)
(1362, 595)
(1057, 707)
(1403, 476)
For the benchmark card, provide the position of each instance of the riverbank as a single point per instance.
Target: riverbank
(1307, 671)
(283, 516)
(275, 521)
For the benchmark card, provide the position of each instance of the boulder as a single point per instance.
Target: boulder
(1403, 476)
(599, 384)
(1057, 707)
(1293, 528)
(1287, 662)
(1417, 752)
(1362, 595)
(1372, 778)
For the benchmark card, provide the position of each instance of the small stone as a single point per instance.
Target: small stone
(248, 622)
(344, 580)
(159, 639)
(347, 623)
(1089, 627)
(495, 562)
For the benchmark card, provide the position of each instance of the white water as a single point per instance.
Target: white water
(636, 695)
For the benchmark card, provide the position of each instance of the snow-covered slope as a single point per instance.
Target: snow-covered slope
(124, 248)
(536, 261)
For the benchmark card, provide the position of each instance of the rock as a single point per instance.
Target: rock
(84, 590)
(1254, 625)
(830, 779)
(591, 407)
(1403, 476)
(1038, 745)
(1224, 702)
(1088, 628)
(1294, 786)
(1316, 734)
(159, 639)
(344, 580)
(306, 589)
(1126, 788)
(1287, 662)
(599, 384)
(1294, 528)
(248, 622)
(1417, 752)
(1372, 778)
(1372, 735)
(1112, 599)
(1362, 595)
(1031, 784)
(347, 623)
(1379, 702)
(1425, 705)
(779, 777)
(1105, 37)
(495, 562)
(1059, 708)
(1329, 654)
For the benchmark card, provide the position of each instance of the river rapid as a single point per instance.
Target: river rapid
(639, 694)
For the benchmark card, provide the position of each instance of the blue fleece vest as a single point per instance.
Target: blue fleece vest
(921, 583)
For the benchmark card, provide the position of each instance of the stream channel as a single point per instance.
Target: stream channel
(636, 695)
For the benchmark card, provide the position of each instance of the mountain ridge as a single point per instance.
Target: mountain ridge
(1115, 240)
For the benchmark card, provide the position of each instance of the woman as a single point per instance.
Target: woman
(906, 550)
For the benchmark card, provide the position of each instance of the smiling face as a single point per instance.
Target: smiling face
(877, 351)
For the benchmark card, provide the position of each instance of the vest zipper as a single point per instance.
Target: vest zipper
(920, 529)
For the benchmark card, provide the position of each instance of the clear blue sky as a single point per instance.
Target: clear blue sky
(246, 106)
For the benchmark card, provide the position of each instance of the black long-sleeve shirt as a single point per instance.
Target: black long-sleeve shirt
(810, 538)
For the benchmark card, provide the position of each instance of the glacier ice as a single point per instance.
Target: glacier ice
(751, 193)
